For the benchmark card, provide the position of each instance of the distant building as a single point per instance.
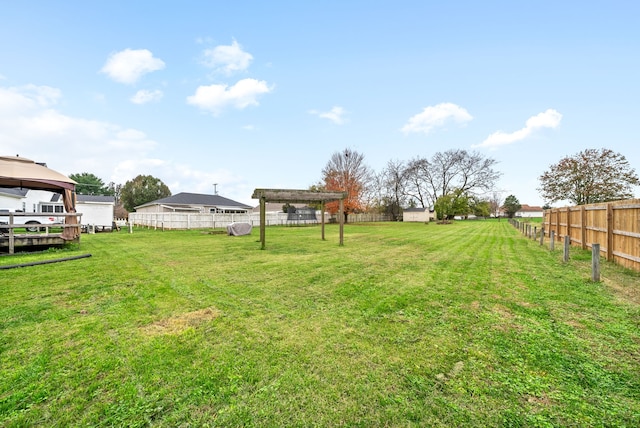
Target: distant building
(196, 203)
(422, 215)
(528, 211)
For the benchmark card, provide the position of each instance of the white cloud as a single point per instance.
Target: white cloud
(227, 58)
(214, 98)
(144, 96)
(129, 65)
(547, 119)
(14, 99)
(335, 115)
(31, 128)
(436, 117)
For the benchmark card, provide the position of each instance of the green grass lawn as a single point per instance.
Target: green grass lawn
(468, 324)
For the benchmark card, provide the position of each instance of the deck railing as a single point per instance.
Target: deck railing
(45, 234)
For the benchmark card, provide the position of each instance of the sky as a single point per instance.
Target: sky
(232, 96)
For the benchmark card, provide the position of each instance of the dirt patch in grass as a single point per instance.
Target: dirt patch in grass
(507, 318)
(179, 323)
(626, 292)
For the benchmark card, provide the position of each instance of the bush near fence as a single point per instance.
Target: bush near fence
(613, 225)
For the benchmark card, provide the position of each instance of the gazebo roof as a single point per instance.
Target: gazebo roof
(22, 172)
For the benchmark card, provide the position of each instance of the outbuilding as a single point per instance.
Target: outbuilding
(421, 215)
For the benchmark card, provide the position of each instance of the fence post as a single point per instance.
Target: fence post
(595, 263)
(542, 235)
(583, 227)
(609, 232)
(535, 232)
(552, 240)
(568, 222)
(567, 243)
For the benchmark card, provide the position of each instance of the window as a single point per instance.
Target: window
(226, 211)
(51, 208)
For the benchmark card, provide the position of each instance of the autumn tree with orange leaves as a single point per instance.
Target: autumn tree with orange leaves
(346, 172)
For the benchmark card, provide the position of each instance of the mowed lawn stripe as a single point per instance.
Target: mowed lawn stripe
(406, 324)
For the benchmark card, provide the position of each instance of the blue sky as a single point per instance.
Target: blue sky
(250, 94)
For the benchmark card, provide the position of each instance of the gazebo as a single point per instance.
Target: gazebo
(21, 172)
(298, 196)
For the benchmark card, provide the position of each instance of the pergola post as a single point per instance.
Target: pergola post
(322, 218)
(262, 222)
(341, 222)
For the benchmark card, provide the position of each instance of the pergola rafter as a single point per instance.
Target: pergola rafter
(301, 197)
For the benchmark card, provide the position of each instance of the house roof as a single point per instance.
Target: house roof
(95, 198)
(189, 199)
(529, 208)
(415, 210)
(14, 191)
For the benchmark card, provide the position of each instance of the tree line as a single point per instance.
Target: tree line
(454, 183)
(459, 183)
(135, 192)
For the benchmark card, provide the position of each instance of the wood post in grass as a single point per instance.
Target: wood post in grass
(567, 244)
(542, 235)
(552, 240)
(595, 263)
(11, 237)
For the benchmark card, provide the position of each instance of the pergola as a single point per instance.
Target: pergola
(302, 197)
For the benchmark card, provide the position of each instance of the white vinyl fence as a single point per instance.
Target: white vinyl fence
(209, 221)
(184, 221)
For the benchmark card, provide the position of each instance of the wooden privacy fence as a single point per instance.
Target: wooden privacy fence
(613, 225)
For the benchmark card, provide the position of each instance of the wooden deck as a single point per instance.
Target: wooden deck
(33, 240)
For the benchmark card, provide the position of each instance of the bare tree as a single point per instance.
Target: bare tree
(495, 203)
(453, 171)
(417, 179)
(392, 182)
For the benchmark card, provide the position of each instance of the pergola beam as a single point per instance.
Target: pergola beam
(284, 196)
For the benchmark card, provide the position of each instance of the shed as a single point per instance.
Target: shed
(421, 215)
(97, 210)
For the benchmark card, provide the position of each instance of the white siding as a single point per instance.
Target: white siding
(96, 213)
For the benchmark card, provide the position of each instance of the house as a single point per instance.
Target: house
(30, 200)
(422, 215)
(196, 203)
(96, 210)
(528, 211)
